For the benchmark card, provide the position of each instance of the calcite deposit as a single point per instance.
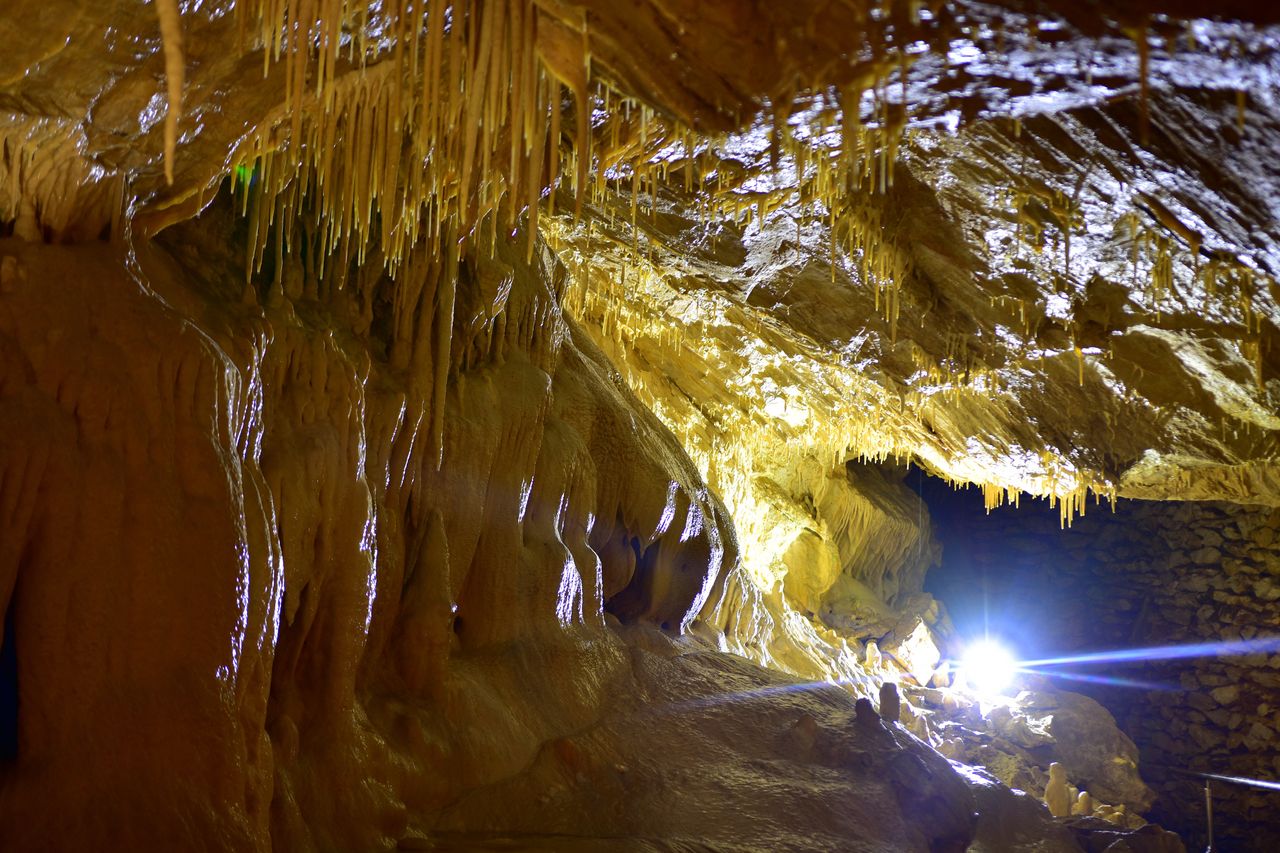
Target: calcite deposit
(490, 424)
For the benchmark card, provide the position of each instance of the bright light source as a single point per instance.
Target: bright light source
(988, 668)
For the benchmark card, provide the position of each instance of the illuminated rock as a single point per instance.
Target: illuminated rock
(890, 703)
(1056, 796)
(1091, 749)
(916, 651)
(871, 659)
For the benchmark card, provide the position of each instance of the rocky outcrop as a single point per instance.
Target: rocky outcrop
(294, 615)
(254, 543)
(917, 329)
(1020, 739)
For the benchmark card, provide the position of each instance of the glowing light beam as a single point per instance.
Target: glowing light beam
(988, 667)
(1240, 780)
(1226, 648)
(1110, 680)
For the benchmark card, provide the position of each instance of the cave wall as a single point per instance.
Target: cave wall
(307, 562)
(1149, 574)
(952, 318)
(252, 542)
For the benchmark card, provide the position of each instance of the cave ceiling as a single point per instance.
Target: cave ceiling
(1031, 247)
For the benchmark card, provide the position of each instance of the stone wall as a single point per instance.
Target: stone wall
(1147, 574)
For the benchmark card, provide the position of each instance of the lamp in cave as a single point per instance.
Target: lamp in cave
(988, 667)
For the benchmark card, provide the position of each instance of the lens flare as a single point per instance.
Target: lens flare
(1264, 784)
(1226, 648)
(1109, 680)
(988, 667)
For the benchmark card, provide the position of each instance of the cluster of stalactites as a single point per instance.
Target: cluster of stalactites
(1067, 491)
(1157, 237)
(839, 169)
(439, 122)
(409, 121)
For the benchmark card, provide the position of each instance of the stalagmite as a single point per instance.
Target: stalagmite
(1056, 796)
(871, 659)
(890, 703)
(865, 715)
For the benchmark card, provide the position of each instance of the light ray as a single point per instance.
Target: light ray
(1240, 780)
(1110, 680)
(1265, 784)
(988, 667)
(1225, 648)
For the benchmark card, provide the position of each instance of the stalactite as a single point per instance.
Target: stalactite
(175, 77)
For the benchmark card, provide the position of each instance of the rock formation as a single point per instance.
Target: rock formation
(890, 703)
(1056, 796)
(470, 424)
(1149, 575)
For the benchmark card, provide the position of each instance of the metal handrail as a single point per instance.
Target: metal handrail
(1209, 779)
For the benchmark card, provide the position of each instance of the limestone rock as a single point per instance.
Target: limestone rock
(1096, 834)
(1206, 556)
(1013, 821)
(865, 715)
(890, 703)
(1056, 796)
(1093, 752)
(1226, 695)
(912, 644)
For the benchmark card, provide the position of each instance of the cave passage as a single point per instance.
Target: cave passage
(1013, 574)
(1147, 574)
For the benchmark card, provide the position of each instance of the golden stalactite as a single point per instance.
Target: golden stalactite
(440, 125)
(175, 76)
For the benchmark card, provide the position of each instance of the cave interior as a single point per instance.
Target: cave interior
(618, 425)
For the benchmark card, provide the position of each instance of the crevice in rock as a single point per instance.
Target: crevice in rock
(636, 599)
(9, 683)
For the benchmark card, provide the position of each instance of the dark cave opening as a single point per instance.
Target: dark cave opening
(636, 599)
(1144, 575)
(1003, 573)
